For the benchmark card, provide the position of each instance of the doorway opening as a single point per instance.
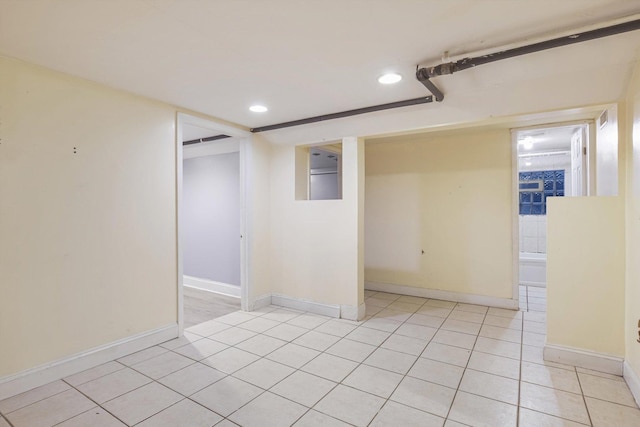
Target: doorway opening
(552, 161)
(211, 223)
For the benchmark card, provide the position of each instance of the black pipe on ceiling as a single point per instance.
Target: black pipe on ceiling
(348, 113)
(423, 74)
(207, 139)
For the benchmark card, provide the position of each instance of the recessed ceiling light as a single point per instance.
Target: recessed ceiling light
(527, 163)
(527, 143)
(389, 78)
(258, 108)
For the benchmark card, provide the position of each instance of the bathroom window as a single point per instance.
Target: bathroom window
(536, 186)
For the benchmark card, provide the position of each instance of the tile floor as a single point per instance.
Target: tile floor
(412, 362)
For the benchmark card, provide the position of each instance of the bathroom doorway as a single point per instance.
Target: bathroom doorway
(552, 162)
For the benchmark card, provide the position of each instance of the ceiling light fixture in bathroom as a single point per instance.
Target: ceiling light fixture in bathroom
(389, 78)
(527, 143)
(258, 109)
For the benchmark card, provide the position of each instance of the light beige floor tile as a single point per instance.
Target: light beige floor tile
(264, 373)
(373, 380)
(425, 396)
(352, 350)
(207, 328)
(498, 333)
(236, 318)
(350, 405)
(391, 360)
(394, 414)
(317, 340)
(185, 339)
(447, 353)
(387, 296)
(371, 310)
(377, 302)
(491, 386)
(437, 372)
(335, 327)
(233, 336)
(406, 307)
(5, 423)
(303, 388)
(440, 303)
(162, 365)
(501, 312)
(268, 410)
(318, 419)
(382, 324)
(113, 385)
(226, 423)
(293, 355)
(531, 338)
(456, 339)
(416, 331)
(550, 401)
(472, 308)
(529, 418)
(404, 344)
(259, 324)
(429, 310)
(282, 315)
(496, 365)
(28, 397)
(425, 320)
(498, 347)
(482, 412)
(548, 376)
(230, 360)
(52, 410)
(330, 367)
(192, 379)
(536, 327)
(226, 395)
(368, 336)
(461, 326)
(96, 417)
(394, 314)
(599, 374)
(182, 413)
(537, 307)
(412, 300)
(143, 355)
(451, 423)
(286, 332)
(604, 414)
(308, 321)
(503, 322)
(142, 403)
(93, 373)
(467, 316)
(533, 316)
(615, 391)
(200, 349)
(261, 344)
(535, 355)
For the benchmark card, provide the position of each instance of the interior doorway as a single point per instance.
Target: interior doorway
(552, 161)
(211, 222)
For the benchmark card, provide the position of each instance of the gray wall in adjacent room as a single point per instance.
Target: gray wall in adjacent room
(211, 218)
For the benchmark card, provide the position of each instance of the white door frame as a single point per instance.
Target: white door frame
(216, 128)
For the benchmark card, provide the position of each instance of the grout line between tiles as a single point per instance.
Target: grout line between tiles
(584, 400)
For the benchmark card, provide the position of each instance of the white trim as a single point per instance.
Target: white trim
(584, 359)
(515, 220)
(212, 286)
(510, 304)
(212, 148)
(351, 312)
(330, 310)
(44, 374)
(259, 302)
(633, 381)
(533, 284)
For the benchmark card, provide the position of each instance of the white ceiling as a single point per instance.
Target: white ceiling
(306, 58)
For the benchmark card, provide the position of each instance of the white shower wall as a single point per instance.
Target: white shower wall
(533, 234)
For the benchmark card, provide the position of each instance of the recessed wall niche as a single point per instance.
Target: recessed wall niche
(319, 172)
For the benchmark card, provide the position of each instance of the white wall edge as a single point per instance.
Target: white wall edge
(44, 374)
(584, 359)
(329, 310)
(534, 284)
(260, 302)
(352, 312)
(211, 286)
(633, 381)
(510, 304)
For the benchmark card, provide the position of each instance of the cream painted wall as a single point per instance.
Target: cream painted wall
(585, 273)
(88, 239)
(632, 288)
(450, 196)
(316, 243)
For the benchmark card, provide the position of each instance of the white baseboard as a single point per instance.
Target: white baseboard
(633, 381)
(260, 302)
(584, 359)
(330, 310)
(44, 374)
(211, 286)
(534, 284)
(351, 312)
(510, 304)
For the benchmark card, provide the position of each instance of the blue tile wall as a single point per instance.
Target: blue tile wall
(536, 186)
